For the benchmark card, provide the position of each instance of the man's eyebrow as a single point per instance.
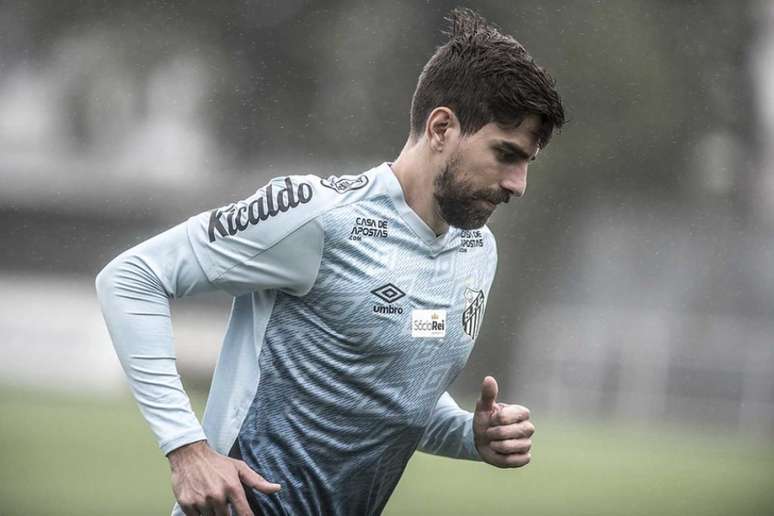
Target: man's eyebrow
(514, 149)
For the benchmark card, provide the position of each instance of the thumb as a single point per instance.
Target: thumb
(486, 402)
(251, 478)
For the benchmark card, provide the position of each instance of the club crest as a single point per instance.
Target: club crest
(345, 183)
(472, 314)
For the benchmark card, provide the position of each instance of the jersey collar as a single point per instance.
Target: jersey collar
(415, 222)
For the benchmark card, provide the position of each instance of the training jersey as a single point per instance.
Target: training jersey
(350, 319)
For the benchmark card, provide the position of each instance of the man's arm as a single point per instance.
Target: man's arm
(134, 291)
(282, 252)
(502, 431)
(496, 433)
(450, 432)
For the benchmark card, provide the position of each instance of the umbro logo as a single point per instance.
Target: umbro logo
(388, 293)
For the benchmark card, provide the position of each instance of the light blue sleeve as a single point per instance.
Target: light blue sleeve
(450, 432)
(232, 243)
(134, 290)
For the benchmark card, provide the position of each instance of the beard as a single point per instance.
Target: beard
(459, 202)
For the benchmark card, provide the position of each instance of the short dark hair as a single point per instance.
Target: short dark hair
(485, 76)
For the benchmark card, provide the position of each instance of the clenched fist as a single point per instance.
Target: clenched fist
(502, 432)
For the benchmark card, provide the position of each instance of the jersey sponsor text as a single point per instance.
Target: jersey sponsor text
(240, 216)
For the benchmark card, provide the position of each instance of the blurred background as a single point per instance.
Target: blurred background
(632, 311)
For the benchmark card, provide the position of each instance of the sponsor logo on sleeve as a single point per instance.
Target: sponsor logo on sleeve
(428, 324)
(236, 217)
(472, 314)
(345, 183)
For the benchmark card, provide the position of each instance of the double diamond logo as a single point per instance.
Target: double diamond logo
(388, 293)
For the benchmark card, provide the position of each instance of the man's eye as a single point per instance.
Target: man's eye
(508, 158)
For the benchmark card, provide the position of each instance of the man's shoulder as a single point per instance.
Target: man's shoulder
(284, 204)
(327, 192)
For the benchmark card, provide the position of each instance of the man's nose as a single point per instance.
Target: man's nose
(515, 180)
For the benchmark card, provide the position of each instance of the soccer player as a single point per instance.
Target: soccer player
(357, 301)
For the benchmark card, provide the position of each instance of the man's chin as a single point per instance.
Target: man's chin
(467, 215)
(477, 225)
(471, 222)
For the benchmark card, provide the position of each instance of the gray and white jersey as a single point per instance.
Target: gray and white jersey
(350, 320)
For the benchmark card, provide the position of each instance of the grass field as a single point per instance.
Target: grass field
(70, 456)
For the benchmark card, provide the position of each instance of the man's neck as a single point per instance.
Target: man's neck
(417, 181)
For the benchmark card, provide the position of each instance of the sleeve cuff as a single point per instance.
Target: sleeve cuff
(469, 440)
(188, 437)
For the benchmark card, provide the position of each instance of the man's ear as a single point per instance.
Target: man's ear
(441, 128)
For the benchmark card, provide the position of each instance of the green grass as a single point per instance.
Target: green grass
(65, 455)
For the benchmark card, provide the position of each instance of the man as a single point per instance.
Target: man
(357, 300)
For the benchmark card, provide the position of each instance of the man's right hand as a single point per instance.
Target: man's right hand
(206, 482)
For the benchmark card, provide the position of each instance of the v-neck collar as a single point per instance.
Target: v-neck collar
(415, 222)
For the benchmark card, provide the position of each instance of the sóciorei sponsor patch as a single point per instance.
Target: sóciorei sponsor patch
(428, 324)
